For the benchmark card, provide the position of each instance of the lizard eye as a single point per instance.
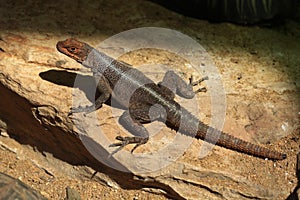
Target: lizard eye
(72, 49)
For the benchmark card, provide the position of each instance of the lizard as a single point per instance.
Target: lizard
(115, 78)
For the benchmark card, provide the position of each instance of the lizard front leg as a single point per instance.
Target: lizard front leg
(105, 92)
(177, 85)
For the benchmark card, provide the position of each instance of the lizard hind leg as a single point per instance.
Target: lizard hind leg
(134, 124)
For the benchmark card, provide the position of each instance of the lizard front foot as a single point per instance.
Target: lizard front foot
(85, 110)
(128, 140)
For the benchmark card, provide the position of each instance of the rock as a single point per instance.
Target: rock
(72, 194)
(36, 88)
(11, 189)
(36, 97)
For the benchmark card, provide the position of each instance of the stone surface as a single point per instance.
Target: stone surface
(41, 145)
(11, 188)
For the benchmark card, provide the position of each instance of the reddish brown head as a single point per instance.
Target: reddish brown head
(74, 49)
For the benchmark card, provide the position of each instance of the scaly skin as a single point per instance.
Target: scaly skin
(146, 96)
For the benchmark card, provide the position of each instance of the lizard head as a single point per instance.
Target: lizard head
(74, 49)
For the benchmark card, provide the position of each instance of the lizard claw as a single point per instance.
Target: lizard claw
(70, 113)
(86, 110)
(203, 89)
(193, 83)
(127, 140)
(121, 145)
(75, 110)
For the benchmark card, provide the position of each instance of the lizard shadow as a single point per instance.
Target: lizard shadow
(85, 83)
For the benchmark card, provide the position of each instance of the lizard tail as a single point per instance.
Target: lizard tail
(188, 124)
(220, 138)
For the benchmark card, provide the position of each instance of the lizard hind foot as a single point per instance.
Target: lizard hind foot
(128, 140)
(194, 83)
(203, 89)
